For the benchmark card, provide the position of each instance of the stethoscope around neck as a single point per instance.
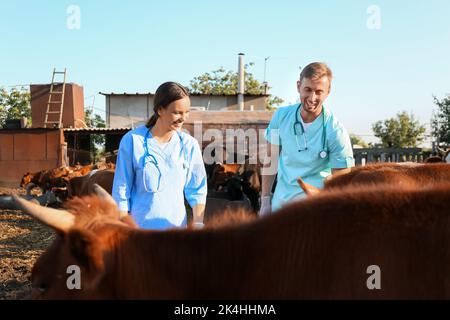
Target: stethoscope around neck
(323, 153)
(152, 158)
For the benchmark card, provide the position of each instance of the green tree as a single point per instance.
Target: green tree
(14, 104)
(400, 132)
(358, 140)
(221, 81)
(97, 140)
(440, 122)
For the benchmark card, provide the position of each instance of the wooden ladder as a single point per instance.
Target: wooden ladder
(55, 98)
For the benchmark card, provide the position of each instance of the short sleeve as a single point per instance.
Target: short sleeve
(195, 189)
(340, 148)
(272, 133)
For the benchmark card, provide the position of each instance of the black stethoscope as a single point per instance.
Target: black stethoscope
(323, 153)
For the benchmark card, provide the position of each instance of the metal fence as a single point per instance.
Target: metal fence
(367, 155)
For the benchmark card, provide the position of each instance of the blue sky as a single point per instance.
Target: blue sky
(133, 46)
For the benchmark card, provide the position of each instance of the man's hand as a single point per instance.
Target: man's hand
(266, 207)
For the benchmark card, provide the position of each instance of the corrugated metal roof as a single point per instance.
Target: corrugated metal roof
(191, 94)
(96, 129)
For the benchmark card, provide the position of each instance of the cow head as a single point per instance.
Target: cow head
(26, 179)
(444, 154)
(87, 233)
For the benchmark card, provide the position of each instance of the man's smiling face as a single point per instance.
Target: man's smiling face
(313, 93)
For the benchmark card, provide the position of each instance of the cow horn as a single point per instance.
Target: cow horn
(440, 151)
(60, 220)
(307, 188)
(102, 193)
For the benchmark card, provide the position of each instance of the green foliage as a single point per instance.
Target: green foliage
(97, 140)
(221, 81)
(440, 123)
(358, 140)
(400, 132)
(93, 120)
(14, 104)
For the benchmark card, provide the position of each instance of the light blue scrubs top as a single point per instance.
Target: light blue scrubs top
(154, 194)
(306, 164)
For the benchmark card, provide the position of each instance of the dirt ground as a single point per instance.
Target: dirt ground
(22, 240)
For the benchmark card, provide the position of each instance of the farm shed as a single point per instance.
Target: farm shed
(73, 111)
(79, 142)
(23, 150)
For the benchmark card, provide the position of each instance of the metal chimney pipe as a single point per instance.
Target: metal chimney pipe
(241, 82)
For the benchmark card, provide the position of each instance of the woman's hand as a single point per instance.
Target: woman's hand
(198, 212)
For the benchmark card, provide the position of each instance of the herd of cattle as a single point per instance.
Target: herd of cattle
(59, 184)
(393, 216)
(229, 185)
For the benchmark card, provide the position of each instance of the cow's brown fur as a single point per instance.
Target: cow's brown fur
(229, 217)
(84, 185)
(221, 174)
(392, 174)
(30, 178)
(320, 247)
(434, 159)
(440, 157)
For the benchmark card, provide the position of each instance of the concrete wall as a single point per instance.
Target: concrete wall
(28, 150)
(128, 110)
(210, 102)
(258, 103)
(251, 123)
(223, 103)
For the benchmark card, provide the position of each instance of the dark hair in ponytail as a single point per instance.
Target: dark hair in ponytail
(166, 93)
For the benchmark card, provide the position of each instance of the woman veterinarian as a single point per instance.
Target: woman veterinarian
(158, 165)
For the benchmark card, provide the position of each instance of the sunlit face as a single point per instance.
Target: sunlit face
(313, 93)
(175, 114)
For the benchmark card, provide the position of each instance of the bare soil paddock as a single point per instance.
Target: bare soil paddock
(22, 240)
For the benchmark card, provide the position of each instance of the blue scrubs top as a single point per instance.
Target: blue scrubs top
(153, 187)
(306, 164)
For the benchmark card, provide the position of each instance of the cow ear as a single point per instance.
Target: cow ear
(307, 188)
(86, 249)
(128, 220)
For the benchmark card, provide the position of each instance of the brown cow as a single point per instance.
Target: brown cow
(84, 170)
(443, 156)
(221, 173)
(104, 166)
(324, 247)
(84, 185)
(45, 179)
(30, 177)
(396, 174)
(215, 207)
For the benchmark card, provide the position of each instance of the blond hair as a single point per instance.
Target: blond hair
(316, 70)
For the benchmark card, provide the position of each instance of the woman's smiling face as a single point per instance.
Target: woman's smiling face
(175, 114)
